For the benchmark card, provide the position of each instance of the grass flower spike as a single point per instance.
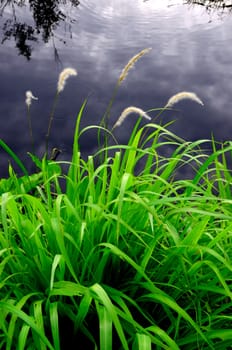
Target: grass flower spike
(131, 63)
(183, 96)
(122, 77)
(128, 111)
(64, 75)
(29, 97)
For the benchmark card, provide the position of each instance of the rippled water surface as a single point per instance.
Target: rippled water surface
(191, 50)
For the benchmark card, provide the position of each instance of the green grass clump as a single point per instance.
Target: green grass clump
(122, 251)
(127, 256)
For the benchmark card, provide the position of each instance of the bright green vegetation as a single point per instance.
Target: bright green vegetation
(127, 256)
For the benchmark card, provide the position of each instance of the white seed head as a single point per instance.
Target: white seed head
(64, 75)
(131, 63)
(29, 97)
(183, 96)
(128, 111)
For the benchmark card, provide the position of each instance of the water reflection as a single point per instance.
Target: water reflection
(46, 15)
(189, 53)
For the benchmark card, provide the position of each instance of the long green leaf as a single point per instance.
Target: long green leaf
(28, 320)
(14, 156)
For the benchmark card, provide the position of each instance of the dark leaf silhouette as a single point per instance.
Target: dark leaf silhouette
(47, 16)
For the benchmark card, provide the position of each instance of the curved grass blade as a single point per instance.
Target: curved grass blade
(103, 297)
(17, 312)
(14, 156)
(53, 312)
(105, 327)
(142, 342)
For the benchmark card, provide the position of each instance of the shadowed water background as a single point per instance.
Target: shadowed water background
(191, 51)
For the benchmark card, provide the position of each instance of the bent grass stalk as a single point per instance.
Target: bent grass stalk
(183, 95)
(64, 75)
(104, 123)
(128, 111)
(130, 64)
(29, 98)
(180, 96)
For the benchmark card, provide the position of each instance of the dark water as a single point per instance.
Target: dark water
(191, 51)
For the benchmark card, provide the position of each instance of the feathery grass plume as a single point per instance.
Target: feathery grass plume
(64, 75)
(131, 63)
(183, 96)
(29, 97)
(128, 66)
(128, 111)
